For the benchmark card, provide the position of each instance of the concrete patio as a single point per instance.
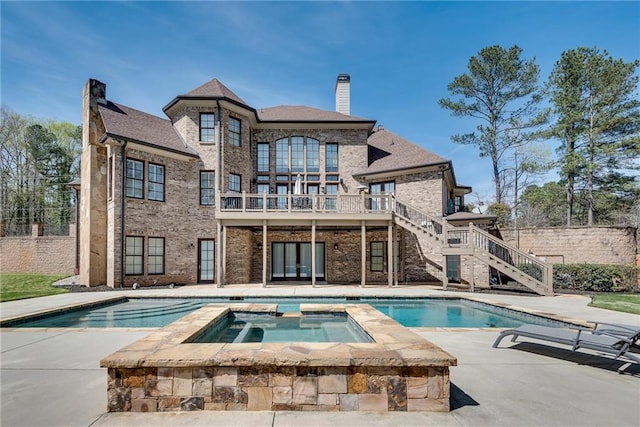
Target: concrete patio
(51, 377)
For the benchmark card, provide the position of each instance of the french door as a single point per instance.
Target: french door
(206, 260)
(292, 261)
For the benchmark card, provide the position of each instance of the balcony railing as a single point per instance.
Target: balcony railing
(339, 203)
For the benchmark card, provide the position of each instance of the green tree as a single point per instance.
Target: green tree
(500, 90)
(37, 161)
(597, 121)
(539, 205)
(502, 211)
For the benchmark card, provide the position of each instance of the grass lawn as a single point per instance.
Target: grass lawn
(624, 302)
(15, 286)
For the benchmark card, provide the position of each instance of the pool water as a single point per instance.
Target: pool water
(241, 327)
(410, 312)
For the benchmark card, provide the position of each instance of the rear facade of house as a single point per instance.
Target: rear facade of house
(221, 192)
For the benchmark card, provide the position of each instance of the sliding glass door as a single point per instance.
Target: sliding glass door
(292, 261)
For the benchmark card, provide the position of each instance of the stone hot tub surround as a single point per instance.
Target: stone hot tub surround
(399, 371)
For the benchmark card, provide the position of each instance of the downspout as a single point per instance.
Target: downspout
(220, 183)
(122, 202)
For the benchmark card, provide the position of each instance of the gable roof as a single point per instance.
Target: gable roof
(213, 89)
(136, 126)
(301, 113)
(390, 152)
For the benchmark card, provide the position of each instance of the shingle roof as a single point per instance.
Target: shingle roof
(390, 152)
(301, 113)
(213, 89)
(136, 126)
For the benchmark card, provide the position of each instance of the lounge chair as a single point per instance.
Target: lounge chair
(630, 332)
(617, 346)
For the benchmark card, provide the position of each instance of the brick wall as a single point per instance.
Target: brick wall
(574, 245)
(43, 255)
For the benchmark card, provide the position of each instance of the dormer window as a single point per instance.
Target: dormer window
(207, 127)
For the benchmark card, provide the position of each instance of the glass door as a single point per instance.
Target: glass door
(292, 261)
(206, 260)
(453, 268)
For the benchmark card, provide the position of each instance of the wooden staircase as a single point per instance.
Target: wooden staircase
(473, 241)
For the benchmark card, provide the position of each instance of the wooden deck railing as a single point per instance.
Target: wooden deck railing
(283, 203)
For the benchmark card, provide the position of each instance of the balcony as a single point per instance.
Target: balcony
(305, 207)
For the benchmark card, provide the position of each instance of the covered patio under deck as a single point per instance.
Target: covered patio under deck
(307, 215)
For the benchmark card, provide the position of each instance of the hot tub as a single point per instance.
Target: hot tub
(167, 371)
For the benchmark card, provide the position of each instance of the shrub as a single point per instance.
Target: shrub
(595, 277)
(532, 270)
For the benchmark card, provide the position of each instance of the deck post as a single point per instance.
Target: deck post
(363, 252)
(313, 253)
(264, 253)
(390, 254)
(445, 243)
(219, 257)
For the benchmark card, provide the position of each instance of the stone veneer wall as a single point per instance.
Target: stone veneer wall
(279, 388)
(42, 255)
(165, 371)
(574, 245)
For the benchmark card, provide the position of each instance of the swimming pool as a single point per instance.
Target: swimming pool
(410, 312)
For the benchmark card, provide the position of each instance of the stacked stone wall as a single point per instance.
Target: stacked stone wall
(577, 245)
(279, 388)
(41, 255)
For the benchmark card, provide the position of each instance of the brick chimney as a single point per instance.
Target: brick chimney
(343, 94)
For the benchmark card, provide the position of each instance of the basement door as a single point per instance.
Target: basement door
(292, 261)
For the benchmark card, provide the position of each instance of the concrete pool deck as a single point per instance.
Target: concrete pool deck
(51, 377)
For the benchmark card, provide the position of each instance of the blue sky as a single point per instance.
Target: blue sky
(400, 55)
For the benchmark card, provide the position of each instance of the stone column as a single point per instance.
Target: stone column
(93, 199)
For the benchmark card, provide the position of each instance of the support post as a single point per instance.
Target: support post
(313, 253)
(390, 254)
(219, 256)
(363, 252)
(264, 253)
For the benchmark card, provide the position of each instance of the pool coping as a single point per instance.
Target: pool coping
(165, 371)
(394, 344)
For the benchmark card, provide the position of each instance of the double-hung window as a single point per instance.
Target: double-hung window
(331, 158)
(156, 182)
(207, 127)
(263, 157)
(134, 251)
(313, 155)
(297, 154)
(207, 192)
(155, 259)
(282, 155)
(235, 185)
(376, 256)
(135, 179)
(234, 131)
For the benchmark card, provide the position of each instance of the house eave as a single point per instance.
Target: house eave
(149, 147)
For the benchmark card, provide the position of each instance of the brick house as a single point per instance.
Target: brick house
(221, 192)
